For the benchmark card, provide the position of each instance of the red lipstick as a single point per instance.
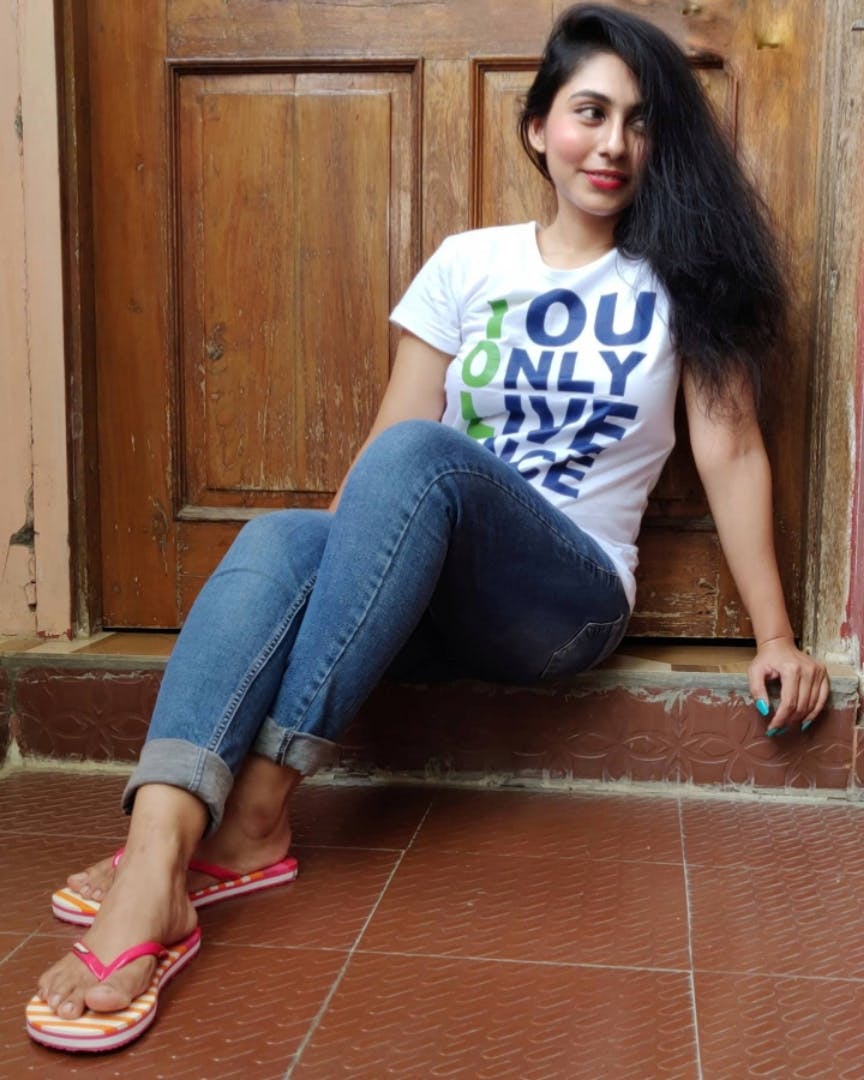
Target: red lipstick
(606, 181)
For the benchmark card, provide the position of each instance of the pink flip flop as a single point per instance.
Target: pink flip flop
(98, 1031)
(72, 907)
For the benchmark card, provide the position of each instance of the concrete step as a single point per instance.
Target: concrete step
(671, 714)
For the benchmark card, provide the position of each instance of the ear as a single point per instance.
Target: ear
(537, 134)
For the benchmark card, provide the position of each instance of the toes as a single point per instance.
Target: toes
(110, 997)
(94, 881)
(62, 996)
(70, 1009)
(106, 998)
(84, 885)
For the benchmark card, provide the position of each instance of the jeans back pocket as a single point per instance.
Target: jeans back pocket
(594, 642)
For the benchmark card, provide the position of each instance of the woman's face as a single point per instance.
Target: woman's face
(594, 139)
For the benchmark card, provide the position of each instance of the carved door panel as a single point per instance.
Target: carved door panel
(267, 177)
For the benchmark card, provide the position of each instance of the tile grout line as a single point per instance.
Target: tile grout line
(17, 948)
(691, 974)
(776, 976)
(468, 957)
(515, 961)
(325, 1004)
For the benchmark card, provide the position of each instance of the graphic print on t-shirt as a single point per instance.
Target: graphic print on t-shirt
(568, 375)
(556, 444)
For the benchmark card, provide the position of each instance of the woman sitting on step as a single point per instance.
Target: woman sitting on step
(487, 529)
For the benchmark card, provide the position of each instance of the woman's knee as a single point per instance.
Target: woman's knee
(414, 446)
(277, 538)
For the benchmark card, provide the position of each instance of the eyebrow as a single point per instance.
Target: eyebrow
(592, 94)
(596, 95)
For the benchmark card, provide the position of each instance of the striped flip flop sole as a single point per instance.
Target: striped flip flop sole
(94, 1032)
(71, 907)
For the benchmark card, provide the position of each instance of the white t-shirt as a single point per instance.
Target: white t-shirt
(568, 375)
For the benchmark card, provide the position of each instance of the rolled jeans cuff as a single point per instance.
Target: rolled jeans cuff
(297, 749)
(183, 765)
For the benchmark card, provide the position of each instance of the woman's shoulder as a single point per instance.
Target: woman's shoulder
(638, 273)
(491, 238)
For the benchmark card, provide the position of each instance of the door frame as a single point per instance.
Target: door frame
(834, 575)
(834, 482)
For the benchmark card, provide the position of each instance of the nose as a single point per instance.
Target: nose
(614, 141)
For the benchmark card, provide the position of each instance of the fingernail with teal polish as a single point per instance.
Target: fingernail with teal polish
(806, 724)
(775, 731)
(763, 707)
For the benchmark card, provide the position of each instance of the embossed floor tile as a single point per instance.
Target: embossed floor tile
(544, 826)
(778, 1027)
(567, 910)
(233, 1013)
(372, 816)
(749, 833)
(423, 1017)
(507, 934)
(63, 804)
(787, 919)
(326, 907)
(33, 867)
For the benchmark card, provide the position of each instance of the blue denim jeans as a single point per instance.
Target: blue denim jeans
(440, 562)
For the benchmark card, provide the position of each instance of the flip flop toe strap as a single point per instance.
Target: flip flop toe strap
(92, 962)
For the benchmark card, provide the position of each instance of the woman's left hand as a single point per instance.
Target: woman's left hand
(804, 684)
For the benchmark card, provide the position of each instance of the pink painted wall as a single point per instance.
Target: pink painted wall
(35, 593)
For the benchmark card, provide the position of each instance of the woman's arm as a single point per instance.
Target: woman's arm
(732, 463)
(415, 390)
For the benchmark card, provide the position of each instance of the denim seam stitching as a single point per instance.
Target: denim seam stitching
(252, 672)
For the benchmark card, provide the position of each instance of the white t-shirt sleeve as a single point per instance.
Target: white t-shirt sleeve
(429, 308)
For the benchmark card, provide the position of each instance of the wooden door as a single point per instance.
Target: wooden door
(266, 178)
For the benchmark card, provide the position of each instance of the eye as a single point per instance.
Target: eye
(637, 123)
(592, 113)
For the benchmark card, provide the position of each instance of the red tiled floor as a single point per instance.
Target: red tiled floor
(371, 817)
(760, 834)
(773, 1027)
(63, 804)
(420, 1017)
(325, 907)
(212, 1020)
(540, 826)
(564, 910)
(481, 934)
(786, 918)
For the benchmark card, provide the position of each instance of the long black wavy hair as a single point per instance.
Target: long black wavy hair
(695, 218)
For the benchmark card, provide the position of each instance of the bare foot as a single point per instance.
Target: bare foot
(255, 831)
(94, 882)
(142, 905)
(146, 902)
